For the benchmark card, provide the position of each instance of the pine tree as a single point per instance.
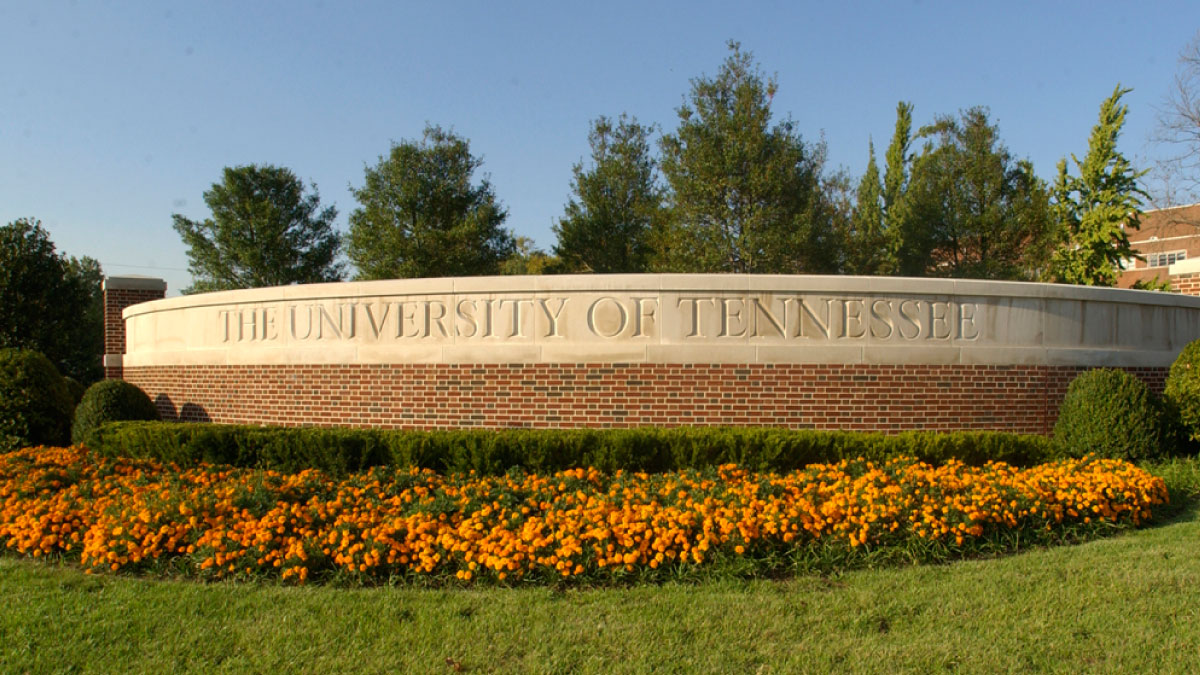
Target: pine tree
(895, 184)
(866, 249)
(745, 195)
(617, 203)
(971, 209)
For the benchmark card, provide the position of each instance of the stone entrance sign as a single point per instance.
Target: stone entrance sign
(665, 319)
(863, 353)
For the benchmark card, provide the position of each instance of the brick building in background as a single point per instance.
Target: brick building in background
(1169, 242)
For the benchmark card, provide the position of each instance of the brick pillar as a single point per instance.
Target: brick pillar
(119, 293)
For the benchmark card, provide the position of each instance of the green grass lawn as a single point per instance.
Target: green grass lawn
(1130, 603)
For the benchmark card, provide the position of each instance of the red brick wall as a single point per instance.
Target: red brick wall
(1187, 284)
(864, 397)
(116, 300)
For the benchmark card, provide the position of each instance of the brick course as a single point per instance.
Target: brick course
(888, 398)
(1187, 284)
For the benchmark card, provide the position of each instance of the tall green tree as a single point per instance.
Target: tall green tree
(866, 245)
(972, 210)
(895, 185)
(617, 203)
(50, 302)
(745, 195)
(421, 214)
(1094, 209)
(264, 231)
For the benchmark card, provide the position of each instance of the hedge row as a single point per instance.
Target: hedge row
(342, 451)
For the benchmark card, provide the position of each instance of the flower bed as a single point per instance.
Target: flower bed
(216, 521)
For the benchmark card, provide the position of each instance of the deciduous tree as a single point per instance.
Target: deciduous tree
(48, 302)
(527, 258)
(422, 215)
(1178, 130)
(264, 231)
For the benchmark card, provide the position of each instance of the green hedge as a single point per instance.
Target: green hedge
(342, 451)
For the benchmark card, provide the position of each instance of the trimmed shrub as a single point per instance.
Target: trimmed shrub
(1182, 393)
(1111, 413)
(110, 401)
(35, 407)
(341, 451)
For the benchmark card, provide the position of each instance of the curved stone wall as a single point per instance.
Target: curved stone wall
(626, 350)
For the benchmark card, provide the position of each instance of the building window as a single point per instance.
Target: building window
(1165, 259)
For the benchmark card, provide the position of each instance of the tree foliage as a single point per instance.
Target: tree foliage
(421, 214)
(895, 186)
(617, 203)
(745, 196)
(866, 245)
(264, 231)
(529, 259)
(970, 209)
(35, 406)
(48, 302)
(1094, 209)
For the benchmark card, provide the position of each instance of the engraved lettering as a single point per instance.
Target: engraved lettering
(644, 314)
(326, 318)
(728, 316)
(937, 319)
(911, 318)
(622, 317)
(468, 317)
(881, 320)
(308, 324)
(518, 328)
(966, 317)
(269, 331)
(822, 326)
(855, 316)
(247, 319)
(723, 316)
(377, 326)
(487, 318)
(435, 319)
(409, 317)
(763, 310)
(695, 314)
(552, 317)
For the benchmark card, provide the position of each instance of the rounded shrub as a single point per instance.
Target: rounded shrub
(35, 406)
(110, 401)
(1111, 413)
(1182, 393)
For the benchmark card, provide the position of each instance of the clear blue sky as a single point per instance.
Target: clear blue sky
(114, 115)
